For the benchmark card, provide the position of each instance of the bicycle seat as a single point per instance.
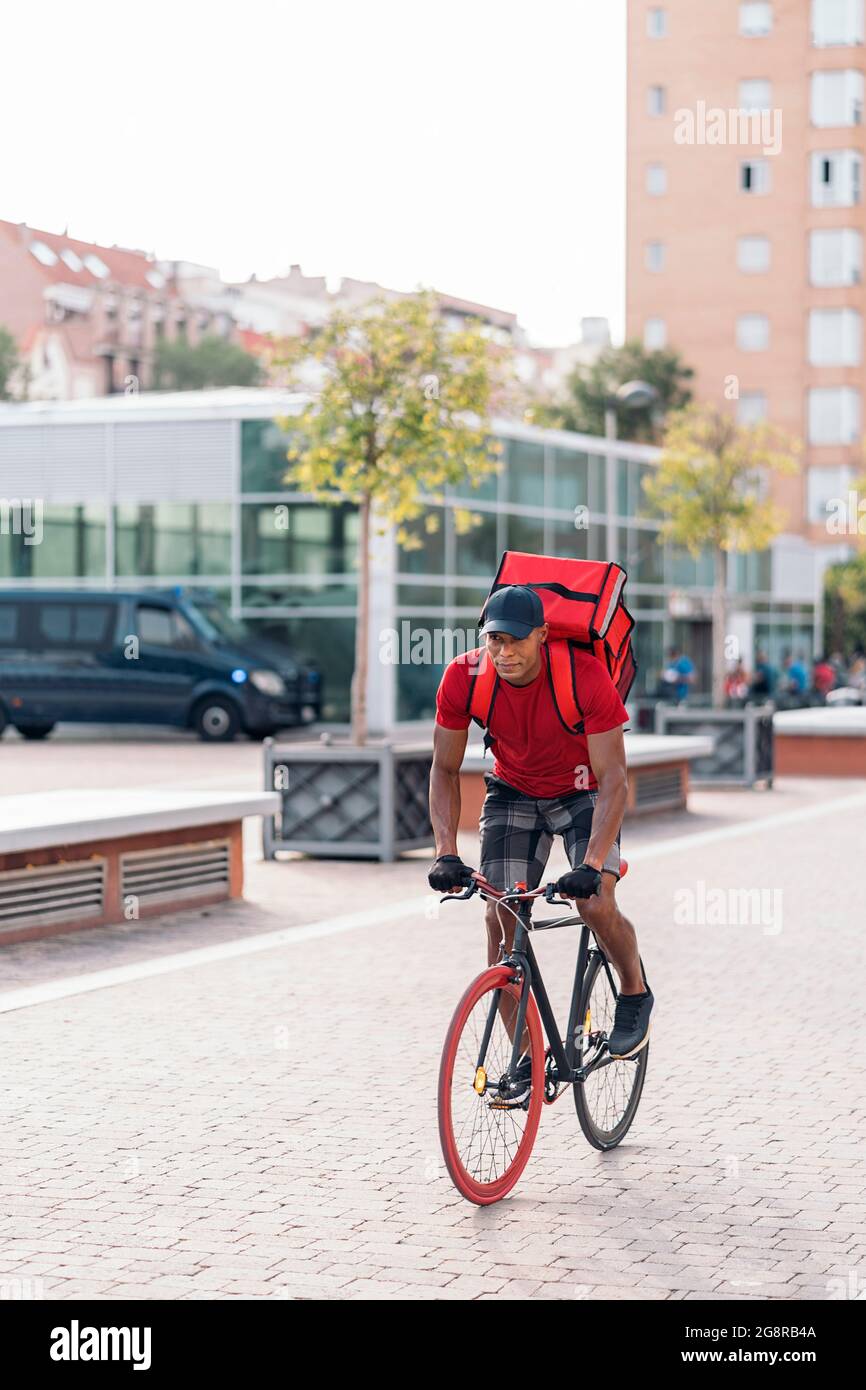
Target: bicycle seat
(623, 868)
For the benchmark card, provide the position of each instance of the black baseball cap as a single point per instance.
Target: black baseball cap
(515, 609)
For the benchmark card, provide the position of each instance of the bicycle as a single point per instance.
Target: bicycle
(487, 1121)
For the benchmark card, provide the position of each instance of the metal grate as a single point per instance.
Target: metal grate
(657, 787)
(180, 871)
(412, 799)
(53, 893)
(332, 802)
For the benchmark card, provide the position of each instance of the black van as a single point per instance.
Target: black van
(146, 656)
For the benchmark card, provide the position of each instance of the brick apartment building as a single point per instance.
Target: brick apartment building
(745, 220)
(86, 317)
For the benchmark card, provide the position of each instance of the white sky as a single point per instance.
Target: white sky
(473, 145)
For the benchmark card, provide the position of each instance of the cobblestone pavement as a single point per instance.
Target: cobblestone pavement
(265, 1126)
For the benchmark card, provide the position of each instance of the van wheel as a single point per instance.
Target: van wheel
(216, 720)
(34, 730)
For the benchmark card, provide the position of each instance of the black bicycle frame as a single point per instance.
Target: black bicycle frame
(522, 958)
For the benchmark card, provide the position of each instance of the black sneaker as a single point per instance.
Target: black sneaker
(631, 1024)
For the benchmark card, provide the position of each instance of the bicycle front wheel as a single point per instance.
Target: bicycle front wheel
(608, 1099)
(486, 1139)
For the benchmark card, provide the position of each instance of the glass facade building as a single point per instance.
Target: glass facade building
(190, 489)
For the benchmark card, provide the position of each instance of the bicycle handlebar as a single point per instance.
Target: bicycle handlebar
(479, 884)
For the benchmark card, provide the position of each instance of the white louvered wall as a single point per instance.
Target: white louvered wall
(158, 461)
(173, 461)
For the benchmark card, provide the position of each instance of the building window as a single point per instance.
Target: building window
(837, 22)
(753, 332)
(657, 23)
(823, 486)
(835, 338)
(835, 256)
(655, 255)
(43, 253)
(836, 178)
(837, 98)
(655, 334)
(751, 408)
(756, 20)
(753, 254)
(656, 180)
(755, 176)
(656, 101)
(755, 94)
(834, 414)
(173, 539)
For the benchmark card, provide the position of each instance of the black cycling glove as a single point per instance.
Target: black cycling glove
(581, 882)
(449, 872)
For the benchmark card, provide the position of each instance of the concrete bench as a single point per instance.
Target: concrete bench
(71, 859)
(658, 774)
(820, 742)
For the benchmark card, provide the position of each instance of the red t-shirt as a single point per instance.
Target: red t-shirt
(532, 750)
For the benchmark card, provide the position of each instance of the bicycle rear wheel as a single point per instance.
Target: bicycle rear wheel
(608, 1099)
(486, 1147)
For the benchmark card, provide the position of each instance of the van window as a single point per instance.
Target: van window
(87, 626)
(10, 621)
(164, 627)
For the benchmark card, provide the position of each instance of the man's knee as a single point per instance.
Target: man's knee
(598, 912)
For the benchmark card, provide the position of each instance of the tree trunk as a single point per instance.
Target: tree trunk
(362, 623)
(720, 626)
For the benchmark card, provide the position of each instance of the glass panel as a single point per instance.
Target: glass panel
(650, 558)
(525, 476)
(327, 643)
(466, 597)
(430, 559)
(476, 487)
(416, 594)
(477, 551)
(641, 505)
(569, 541)
(60, 542)
(597, 483)
(570, 479)
(298, 538)
(313, 593)
(623, 477)
(648, 645)
(418, 680)
(524, 533)
(263, 457)
(173, 538)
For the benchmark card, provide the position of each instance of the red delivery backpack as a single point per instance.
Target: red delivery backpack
(583, 605)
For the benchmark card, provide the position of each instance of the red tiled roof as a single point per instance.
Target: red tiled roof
(125, 267)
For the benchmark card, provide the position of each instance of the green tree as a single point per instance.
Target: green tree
(591, 386)
(9, 363)
(178, 366)
(709, 489)
(845, 605)
(401, 408)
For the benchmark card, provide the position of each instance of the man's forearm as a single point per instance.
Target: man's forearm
(444, 809)
(606, 818)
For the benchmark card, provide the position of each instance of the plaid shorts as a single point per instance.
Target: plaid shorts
(517, 833)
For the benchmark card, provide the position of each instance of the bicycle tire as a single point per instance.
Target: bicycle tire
(468, 1184)
(596, 1134)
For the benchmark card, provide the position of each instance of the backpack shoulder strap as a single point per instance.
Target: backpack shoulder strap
(560, 672)
(483, 685)
(482, 680)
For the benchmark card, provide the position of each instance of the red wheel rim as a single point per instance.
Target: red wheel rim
(501, 1170)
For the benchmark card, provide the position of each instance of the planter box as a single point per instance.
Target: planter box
(742, 742)
(342, 801)
(824, 742)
